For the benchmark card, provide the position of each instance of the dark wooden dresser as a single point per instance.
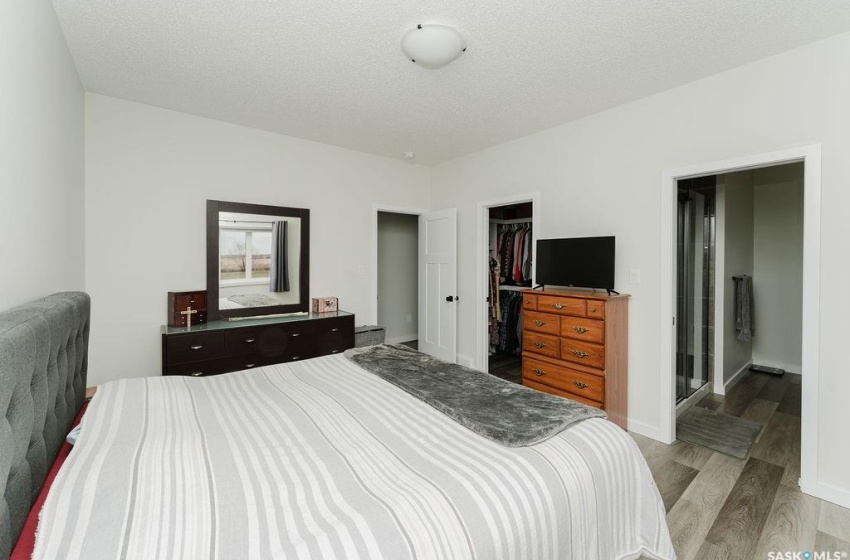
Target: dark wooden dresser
(223, 346)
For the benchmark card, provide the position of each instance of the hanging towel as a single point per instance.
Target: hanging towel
(744, 314)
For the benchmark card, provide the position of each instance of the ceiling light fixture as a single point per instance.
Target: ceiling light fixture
(432, 45)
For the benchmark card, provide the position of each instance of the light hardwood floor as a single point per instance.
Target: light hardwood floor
(719, 507)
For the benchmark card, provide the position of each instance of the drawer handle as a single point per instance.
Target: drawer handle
(196, 374)
(539, 344)
(580, 385)
(558, 305)
(249, 365)
(580, 330)
(296, 358)
(197, 347)
(334, 351)
(579, 354)
(249, 340)
(539, 323)
(296, 334)
(334, 330)
(536, 371)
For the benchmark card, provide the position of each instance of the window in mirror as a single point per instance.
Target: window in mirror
(257, 259)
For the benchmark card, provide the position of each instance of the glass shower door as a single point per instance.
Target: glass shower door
(691, 347)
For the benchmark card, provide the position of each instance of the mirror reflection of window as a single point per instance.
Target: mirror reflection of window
(244, 251)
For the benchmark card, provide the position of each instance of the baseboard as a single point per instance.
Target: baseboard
(737, 377)
(646, 430)
(827, 492)
(401, 339)
(791, 368)
(465, 361)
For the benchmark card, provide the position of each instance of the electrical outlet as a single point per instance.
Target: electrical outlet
(634, 276)
(409, 318)
(361, 270)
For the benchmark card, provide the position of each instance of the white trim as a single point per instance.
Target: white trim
(828, 492)
(727, 385)
(643, 429)
(482, 339)
(376, 208)
(811, 156)
(402, 339)
(465, 361)
(719, 289)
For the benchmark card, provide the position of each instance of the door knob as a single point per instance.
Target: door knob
(452, 298)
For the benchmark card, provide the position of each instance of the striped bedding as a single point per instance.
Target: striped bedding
(321, 459)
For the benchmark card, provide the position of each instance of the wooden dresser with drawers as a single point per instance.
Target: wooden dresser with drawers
(575, 345)
(223, 346)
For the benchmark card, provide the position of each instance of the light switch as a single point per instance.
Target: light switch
(634, 276)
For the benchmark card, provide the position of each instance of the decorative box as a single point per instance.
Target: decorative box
(187, 308)
(325, 304)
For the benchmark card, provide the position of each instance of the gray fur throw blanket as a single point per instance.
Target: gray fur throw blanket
(501, 411)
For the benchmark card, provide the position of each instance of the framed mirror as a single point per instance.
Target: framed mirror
(258, 260)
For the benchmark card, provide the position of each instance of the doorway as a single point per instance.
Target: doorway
(809, 157)
(398, 277)
(502, 274)
(510, 239)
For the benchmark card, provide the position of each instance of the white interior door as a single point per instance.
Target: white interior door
(438, 284)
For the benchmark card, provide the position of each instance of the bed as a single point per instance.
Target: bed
(322, 459)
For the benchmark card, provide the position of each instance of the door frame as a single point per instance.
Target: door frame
(810, 156)
(481, 322)
(376, 209)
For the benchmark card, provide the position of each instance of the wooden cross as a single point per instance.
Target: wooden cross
(188, 313)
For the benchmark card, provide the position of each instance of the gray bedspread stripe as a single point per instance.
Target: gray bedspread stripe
(504, 412)
(43, 363)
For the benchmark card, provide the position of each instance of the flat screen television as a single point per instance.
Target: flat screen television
(582, 262)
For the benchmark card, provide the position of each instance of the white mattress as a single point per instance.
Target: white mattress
(321, 459)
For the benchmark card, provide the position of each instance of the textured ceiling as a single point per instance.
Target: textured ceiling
(332, 70)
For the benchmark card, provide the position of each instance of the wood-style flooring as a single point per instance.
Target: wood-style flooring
(719, 507)
(506, 366)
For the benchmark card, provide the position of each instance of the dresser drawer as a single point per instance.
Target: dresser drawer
(541, 322)
(584, 353)
(560, 393)
(275, 342)
(562, 305)
(537, 343)
(199, 369)
(194, 347)
(580, 328)
(529, 301)
(584, 384)
(332, 336)
(596, 309)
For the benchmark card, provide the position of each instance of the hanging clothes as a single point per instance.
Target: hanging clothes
(513, 251)
(510, 326)
(494, 311)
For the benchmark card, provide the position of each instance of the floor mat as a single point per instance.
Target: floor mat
(727, 434)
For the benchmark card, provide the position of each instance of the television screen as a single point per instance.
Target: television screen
(585, 262)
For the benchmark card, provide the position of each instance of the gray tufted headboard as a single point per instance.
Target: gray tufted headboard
(43, 361)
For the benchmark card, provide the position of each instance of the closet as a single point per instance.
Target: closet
(511, 244)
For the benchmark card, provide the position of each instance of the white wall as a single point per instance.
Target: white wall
(737, 210)
(778, 266)
(602, 175)
(149, 172)
(398, 271)
(41, 156)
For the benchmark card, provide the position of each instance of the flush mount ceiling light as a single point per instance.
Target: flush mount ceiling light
(432, 45)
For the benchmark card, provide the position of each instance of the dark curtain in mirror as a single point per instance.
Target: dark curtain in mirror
(279, 272)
